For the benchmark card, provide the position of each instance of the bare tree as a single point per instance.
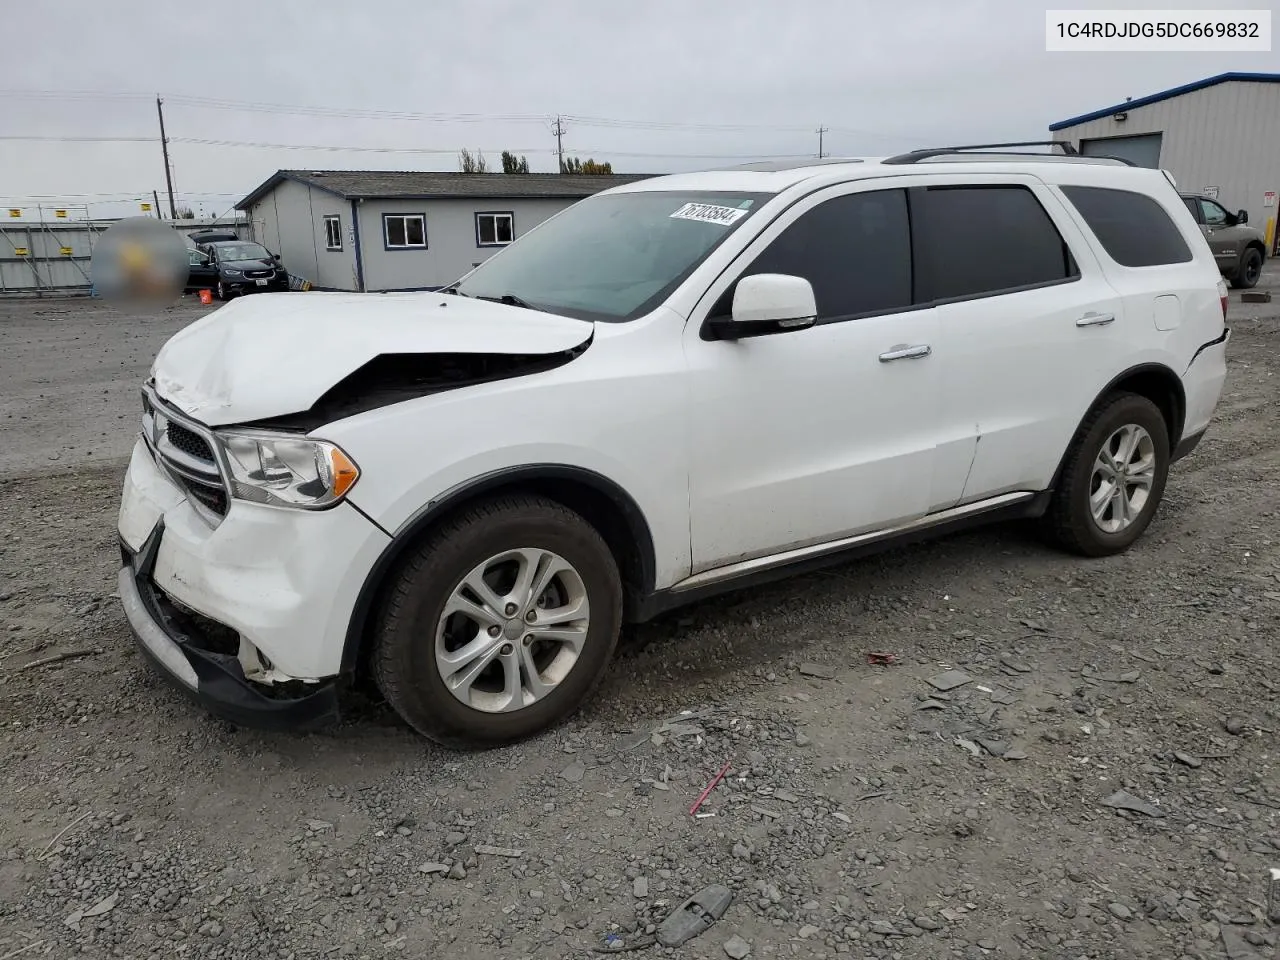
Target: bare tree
(469, 162)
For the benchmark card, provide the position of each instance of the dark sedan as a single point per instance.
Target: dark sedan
(245, 267)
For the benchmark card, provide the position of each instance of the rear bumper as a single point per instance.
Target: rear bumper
(168, 639)
(1202, 385)
(1186, 445)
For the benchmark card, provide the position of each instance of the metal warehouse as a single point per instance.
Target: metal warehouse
(1219, 137)
(403, 230)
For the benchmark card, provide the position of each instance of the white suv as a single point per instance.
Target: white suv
(684, 385)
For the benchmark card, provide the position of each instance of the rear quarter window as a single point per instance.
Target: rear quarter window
(1134, 229)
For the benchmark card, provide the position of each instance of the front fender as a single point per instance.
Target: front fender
(623, 426)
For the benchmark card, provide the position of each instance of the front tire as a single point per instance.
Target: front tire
(1249, 271)
(220, 291)
(1113, 478)
(499, 625)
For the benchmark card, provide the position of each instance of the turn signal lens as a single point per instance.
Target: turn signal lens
(344, 473)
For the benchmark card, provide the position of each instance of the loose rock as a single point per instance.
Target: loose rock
(1187, 760)
(817, 671)
(949, 680)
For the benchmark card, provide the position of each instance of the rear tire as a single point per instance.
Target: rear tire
(1249, 271)
(458, 664)
(1113, 478)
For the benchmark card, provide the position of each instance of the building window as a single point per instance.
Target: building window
(495, 229)
(333, 233)
(404, 231)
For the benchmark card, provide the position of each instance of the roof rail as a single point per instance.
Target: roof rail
(988, 149)
(924, 154)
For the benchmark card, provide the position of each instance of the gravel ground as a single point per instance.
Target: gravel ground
(866, 813)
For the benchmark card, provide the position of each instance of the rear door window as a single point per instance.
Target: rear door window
(977, 241)
(1133, 228)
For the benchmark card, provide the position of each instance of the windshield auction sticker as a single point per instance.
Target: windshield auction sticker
(709, 213)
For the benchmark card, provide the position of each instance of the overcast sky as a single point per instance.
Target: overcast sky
(882, 76)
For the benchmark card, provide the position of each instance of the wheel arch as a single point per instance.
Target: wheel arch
(599, 500)
(1155, 381)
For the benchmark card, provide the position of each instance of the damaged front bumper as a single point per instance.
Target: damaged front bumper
(249, 615)
(174, 642)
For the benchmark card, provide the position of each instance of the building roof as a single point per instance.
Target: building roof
(1165, 95)
(420, 185)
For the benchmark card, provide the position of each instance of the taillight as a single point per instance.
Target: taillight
(1223, 298)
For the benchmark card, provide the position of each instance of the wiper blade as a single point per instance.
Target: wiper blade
(511, 300)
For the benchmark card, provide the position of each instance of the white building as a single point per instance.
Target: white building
(402, 230)
(1218, 137)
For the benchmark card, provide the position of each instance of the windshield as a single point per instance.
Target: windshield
(612, 257)
(242, 251)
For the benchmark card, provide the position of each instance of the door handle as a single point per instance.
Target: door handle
(1092, 319)
(904, 352)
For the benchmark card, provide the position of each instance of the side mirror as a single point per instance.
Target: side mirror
(1242, 216)
(767, 303)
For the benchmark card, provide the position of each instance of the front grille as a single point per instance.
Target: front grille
(188, 441)
(255, 274)
(214, 499)
(186, 454)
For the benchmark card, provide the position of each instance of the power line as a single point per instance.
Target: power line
(111, 197)
(68, 139)
(72, 95)
(249, 106)
(441, 151)
(451, 151)
(354, 113)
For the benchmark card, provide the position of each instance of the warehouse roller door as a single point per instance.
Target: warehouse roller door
(1143, 150)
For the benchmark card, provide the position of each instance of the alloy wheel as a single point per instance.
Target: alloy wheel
(1123, 474)
(512, 630)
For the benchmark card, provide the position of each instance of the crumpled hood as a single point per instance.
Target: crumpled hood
(274, 354)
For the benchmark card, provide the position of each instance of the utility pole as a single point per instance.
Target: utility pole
(821, 131)
(558, 130)
(156, 197)
(164, 148)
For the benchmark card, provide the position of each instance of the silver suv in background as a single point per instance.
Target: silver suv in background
(1238, 248)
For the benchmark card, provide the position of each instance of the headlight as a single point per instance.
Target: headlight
(287, 471)
(231, 273)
